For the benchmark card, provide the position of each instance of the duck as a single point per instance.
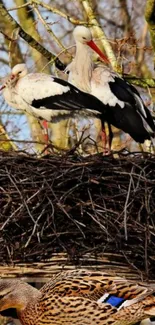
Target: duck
(78, 297)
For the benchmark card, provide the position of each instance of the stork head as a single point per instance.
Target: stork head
(83, 35)
(19, 71)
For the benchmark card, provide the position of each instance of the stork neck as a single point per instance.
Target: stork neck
(83, 66)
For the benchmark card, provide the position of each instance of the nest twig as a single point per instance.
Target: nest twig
(78, 206)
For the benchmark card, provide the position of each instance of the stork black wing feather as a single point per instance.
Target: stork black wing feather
(127, 93)
(73, 99)
(123, 91)
(123, 119)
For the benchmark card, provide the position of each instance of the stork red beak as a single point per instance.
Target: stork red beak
(2, 87)
(98, 51)
(12, 76)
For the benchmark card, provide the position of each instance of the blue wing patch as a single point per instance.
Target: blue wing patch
(115, 301)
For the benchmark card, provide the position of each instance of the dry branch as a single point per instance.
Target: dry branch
(5, 142)
(87, 5)
(150, 18)
(28, 38)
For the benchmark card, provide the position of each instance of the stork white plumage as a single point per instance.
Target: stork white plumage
(82, 64)
(47, 97)
(125, 108)
(80, 69)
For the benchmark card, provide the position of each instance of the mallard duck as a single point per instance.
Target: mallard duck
(77, 297)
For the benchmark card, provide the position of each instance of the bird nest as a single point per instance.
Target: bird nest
(78, 206)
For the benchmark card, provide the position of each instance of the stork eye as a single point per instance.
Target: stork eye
(83, 37)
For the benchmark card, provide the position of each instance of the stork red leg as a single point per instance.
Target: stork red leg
(45, 126)
(104, 139)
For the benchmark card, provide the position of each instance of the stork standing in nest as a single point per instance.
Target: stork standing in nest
(125, 108)
(47, 97)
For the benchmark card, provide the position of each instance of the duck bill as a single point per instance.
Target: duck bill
(98, 51)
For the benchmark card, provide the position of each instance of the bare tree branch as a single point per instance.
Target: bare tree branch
(150, 18)
(87, 5)
(142, 82)
(55, 11)
(28, 38)
(6, 143)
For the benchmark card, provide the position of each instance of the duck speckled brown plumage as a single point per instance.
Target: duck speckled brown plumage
(78, 298)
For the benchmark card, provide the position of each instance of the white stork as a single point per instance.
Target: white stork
(125, 108)
(47, 97)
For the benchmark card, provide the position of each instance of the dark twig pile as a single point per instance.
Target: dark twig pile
(77, 206)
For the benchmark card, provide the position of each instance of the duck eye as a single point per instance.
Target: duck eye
(84, 37)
